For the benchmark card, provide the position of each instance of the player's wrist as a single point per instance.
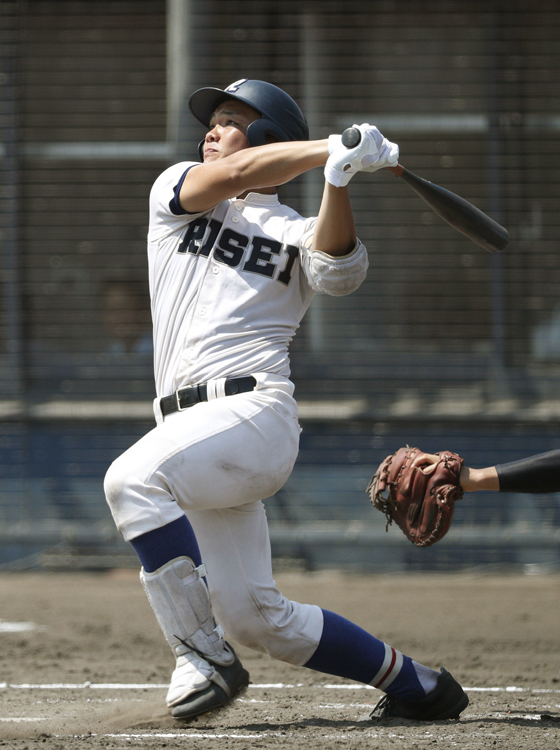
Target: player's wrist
(334, 142)
(467, 479)
(336, 175)
(473, 480)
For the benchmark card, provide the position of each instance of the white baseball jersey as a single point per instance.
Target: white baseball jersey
(230, 286)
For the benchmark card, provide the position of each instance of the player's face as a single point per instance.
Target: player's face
(228, 128)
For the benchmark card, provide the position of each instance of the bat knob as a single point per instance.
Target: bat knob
(351, 137)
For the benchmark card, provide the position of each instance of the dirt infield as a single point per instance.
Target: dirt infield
(92, 672)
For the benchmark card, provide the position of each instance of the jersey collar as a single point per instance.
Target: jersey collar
(260, 199)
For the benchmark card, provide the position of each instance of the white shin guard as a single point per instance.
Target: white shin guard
(180, 601)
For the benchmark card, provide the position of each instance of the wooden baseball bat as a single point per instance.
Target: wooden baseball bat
(456, 211)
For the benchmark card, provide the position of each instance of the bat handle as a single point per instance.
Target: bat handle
(351, 137)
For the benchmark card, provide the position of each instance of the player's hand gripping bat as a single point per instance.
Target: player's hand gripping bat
(453, 209)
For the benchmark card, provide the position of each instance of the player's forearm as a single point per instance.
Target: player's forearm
(334, 232)
(250, 169)
(276, 163)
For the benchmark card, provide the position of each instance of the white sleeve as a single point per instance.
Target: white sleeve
(166, 213)
(336, 276)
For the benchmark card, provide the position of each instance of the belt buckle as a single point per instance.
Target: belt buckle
(178, 400)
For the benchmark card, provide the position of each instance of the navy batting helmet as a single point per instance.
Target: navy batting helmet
(281, 118)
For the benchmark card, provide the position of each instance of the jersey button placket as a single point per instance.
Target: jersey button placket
(238, 207)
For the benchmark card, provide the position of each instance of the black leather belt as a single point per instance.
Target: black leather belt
(194, 394)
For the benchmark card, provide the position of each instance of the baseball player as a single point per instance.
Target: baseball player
(232, 272)
(536, 474)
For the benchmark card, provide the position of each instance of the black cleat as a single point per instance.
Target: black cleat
(229, 682)
(446, 701)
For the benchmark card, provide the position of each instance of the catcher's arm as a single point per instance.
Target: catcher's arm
(537, 474)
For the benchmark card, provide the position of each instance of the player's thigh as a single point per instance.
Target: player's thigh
(221, 453)
(249, 460)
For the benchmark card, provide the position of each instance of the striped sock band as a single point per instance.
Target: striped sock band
(389, 670)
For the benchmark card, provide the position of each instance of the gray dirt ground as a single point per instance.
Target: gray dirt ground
(489, 631)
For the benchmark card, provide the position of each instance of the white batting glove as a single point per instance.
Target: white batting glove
(343, 163)
(387, 154)
(373, 152)
(334, 142)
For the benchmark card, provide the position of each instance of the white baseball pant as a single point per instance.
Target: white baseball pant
(216, 462)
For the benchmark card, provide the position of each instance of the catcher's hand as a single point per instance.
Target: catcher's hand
(420, 500)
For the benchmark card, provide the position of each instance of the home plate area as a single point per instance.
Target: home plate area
(267, 714)
(85, 667)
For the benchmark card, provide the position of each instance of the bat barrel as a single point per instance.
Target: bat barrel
(459, 213)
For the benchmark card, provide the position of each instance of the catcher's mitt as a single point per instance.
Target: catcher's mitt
(421, 504)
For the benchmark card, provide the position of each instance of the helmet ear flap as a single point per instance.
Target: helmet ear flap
(201, 149)
(258, 131)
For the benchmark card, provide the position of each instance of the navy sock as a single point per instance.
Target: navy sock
(175, 539)
(345, 650)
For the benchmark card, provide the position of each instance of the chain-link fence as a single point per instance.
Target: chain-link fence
(444, 345)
